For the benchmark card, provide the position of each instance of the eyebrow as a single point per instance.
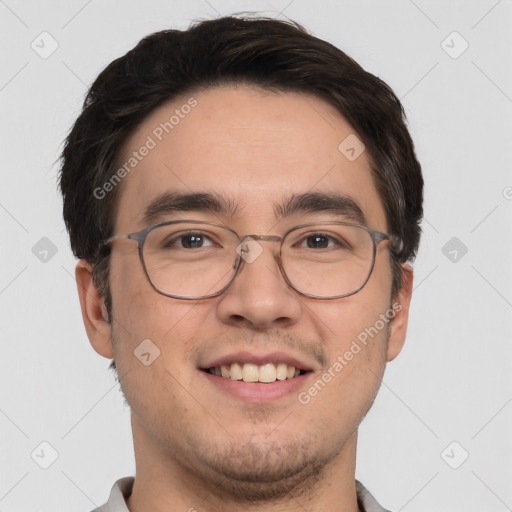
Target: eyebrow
(339, 205)
(170, 202)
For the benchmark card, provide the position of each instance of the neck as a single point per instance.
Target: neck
(164, 483)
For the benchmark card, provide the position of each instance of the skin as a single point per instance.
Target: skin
(196, 447)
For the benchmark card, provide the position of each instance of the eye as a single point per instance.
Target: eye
(319, 241)
(191, 240)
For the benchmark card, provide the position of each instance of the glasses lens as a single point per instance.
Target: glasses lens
(194, 260)
(328, 260)
(190, 259)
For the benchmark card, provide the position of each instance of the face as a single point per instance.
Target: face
(257, 150)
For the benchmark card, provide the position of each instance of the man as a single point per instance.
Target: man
(244, 199)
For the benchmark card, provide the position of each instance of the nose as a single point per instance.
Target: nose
(259, 297)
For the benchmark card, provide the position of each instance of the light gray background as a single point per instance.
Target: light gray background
(452, 381)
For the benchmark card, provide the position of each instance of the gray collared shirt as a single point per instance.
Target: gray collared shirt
(123, 488)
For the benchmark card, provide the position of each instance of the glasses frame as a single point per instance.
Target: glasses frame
(140, 238)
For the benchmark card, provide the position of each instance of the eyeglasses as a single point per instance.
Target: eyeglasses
(191, 259)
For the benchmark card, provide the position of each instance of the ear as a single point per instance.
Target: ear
(398, 325)
(94, 312)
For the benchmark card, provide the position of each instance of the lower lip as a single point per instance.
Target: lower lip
(257, 391)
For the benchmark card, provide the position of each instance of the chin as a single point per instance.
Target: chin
(259, 471)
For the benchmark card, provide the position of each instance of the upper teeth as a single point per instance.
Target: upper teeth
(249, 372)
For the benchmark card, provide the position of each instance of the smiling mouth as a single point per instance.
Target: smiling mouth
(248, 372)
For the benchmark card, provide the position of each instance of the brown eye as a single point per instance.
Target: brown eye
(191, 240)
(317, 241)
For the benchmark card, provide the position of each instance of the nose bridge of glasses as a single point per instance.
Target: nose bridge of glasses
(249, 248)
(264, 238)
(249, 244)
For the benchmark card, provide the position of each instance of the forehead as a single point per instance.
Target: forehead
(254, 148)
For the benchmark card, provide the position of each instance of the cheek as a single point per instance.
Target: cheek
(151, 334)
(355, 330)
(355, 339)
(356, 345)
(349, 318)
(140, 313)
